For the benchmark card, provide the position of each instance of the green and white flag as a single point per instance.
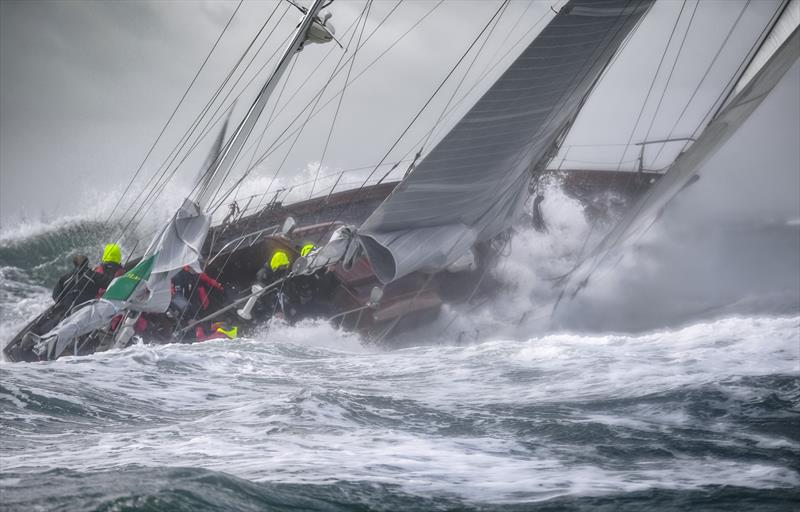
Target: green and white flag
(123, 287)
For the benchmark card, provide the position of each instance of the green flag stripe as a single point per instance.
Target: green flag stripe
(124, 286)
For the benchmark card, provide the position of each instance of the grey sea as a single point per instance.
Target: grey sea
(484, 410)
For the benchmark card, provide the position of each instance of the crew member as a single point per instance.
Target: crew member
(278, 268)
(307, 249)
(109, 268)
(190, 291)
(311, 291)
(215, 331)
(76, 286)
(273, 301)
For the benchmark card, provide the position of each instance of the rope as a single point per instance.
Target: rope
(185, 138)
(703, 78)
(277, 144)
(341, 97)
(175, 110)
(652, 83)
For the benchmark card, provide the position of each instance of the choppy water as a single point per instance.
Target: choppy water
(704, 415)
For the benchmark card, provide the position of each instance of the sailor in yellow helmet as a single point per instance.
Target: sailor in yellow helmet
(277, 266)
(110, 266)
(306, 249)
(279, 261)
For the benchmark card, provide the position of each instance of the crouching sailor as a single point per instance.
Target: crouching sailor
(276, 269)
(215, 331)
(76, 286)
(190, 292)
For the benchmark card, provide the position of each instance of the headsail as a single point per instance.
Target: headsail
(146, 287)
(474, 183)
(688, 165)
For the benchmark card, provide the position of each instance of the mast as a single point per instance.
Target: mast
(227, 156)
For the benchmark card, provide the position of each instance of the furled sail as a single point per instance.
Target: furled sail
(474, 183)
(688, 164)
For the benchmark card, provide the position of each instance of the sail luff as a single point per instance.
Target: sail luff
(786, 22)
(759, 53)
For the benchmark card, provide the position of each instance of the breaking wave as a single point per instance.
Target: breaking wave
(498, 404)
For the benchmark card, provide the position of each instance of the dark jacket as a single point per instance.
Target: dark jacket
(77, 286)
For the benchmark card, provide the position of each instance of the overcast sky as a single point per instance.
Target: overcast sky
(85, 87)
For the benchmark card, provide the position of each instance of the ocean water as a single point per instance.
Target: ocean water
(498, 405)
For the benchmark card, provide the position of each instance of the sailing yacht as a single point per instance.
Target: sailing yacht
(388, 254)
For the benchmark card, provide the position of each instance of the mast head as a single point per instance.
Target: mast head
(320, 30)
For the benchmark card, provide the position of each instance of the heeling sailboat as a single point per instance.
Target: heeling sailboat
(423, 240)
(427, 238)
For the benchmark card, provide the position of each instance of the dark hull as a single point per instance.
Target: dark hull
(235, 250)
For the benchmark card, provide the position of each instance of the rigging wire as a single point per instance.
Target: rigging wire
(275, 145)
(441, 84)
(273, 114)
(219, 118)
(652, 84)
(419, 113)
(671, 71)
(175, 110)
(184, 139)
(166, 175)
(703, 78)
(464, 76)
(341, 98)
(484, 75)
(335, 71)
(735, 77)
(598, 258)
(278, 143)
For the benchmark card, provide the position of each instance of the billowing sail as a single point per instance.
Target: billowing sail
(474, 183)
(146, 287)
(688, 165)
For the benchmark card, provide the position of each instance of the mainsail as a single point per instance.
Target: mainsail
(689, 164)
(474, 183)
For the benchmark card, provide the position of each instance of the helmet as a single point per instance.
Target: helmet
(279, 260)
(112, 254)
(307, 248)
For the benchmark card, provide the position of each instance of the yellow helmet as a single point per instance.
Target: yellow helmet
(307, 248)
(279, 260)
(112, 254)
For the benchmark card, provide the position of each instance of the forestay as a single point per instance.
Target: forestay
(689, 164)
(474, 183)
